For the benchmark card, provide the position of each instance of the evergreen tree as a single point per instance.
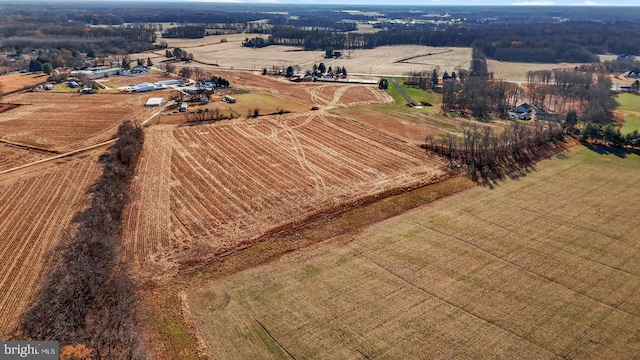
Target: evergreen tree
(570, 121)
(47, 68)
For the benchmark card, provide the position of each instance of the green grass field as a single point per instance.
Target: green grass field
(399, 104)
(545, 266)
(629, 105)
(631, 123)
(628, 102)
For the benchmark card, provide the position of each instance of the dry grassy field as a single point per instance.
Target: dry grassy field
(395, 60)
(542, 267)
(205, 190)
(64, 122)
(512, 71)
(14, 82)
(36, 205)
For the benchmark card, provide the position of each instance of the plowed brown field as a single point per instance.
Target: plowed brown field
(14, 82)
(209, 189)
(35, 208)
(321, 94)
(64, 122)
(11, 156)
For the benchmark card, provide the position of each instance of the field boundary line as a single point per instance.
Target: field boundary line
(274, 339)
(70, 153)
(28, 147)
(459, 307)
(468, 243)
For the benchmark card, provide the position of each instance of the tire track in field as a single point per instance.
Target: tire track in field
(300, 156)
(337, 95)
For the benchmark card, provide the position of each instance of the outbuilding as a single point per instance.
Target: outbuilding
(154, 102)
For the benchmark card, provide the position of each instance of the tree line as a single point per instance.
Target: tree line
(609, 135)
(185, 32)
(87, 297)
(482, 153)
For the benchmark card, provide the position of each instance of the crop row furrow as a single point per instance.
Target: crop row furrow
(244, 153)
(184, 197)
(202, 179)
(369, 162)
(228, 160)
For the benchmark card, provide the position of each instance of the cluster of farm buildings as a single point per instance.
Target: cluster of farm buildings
(198, 91)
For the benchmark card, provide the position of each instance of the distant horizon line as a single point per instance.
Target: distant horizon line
(435, 3)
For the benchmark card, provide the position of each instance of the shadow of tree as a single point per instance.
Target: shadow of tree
(611, 150)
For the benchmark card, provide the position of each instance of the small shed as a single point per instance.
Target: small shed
(154, 102)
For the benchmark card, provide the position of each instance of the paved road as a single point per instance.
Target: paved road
(401, 91)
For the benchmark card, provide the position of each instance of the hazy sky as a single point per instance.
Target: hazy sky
(450, 2)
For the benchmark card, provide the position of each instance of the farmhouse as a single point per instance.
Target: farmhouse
(154, 102)
(524, 108)
(626, 57)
